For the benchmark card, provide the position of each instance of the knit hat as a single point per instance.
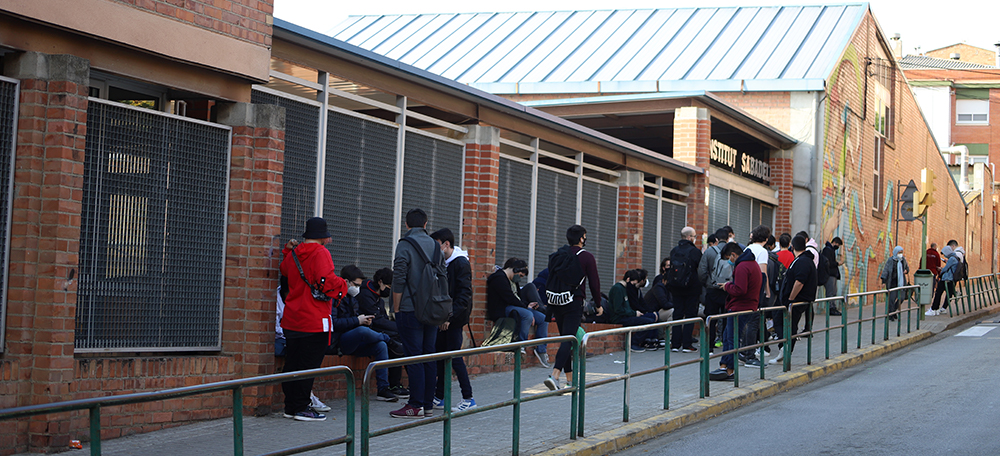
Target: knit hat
(316, 229)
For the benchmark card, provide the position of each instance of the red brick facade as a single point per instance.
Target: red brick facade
(781, 179)
(629, 245)
(246, 20)
(692, 140)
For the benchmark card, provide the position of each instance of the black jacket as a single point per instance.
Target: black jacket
(688, 250)
(658, 298)
(499, 295)
(370, 303)
(460, 288)
(344, 316)
(831, 261)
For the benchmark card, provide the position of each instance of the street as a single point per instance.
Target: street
(938, 397)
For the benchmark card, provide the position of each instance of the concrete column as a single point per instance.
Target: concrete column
(629, 245)
(692, 144)
(45, 240)
(253, 252)
(479, 214)
(781, 164)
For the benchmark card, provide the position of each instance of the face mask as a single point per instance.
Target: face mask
(518, 279)
(836, 247)
(900, 256)
(731, 263)
(353, 290)
(385, 293)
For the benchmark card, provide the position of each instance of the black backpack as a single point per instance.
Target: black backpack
(431, 300)
(823, 269)
(565, 276)
(681, 271)
(962, 270)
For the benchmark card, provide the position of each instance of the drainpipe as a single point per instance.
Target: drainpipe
(815, 210)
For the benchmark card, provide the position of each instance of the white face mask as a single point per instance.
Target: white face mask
(900, 256)
(353, 290)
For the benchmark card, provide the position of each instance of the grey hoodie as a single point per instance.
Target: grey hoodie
(406, 263)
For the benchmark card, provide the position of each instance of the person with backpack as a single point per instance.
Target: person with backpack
(411, 300)
(798, 286)
(833, 271)
(946, 286)
(569, 268)
(371, 302)
(307, 272)
(685, 288)
(450, 336)
(713, 270)
(503, 300)
(893, 275)
(743, 293)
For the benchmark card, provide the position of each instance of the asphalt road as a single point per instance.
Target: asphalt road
(939, 397)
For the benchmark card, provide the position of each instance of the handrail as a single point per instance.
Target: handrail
(627, 375)
(448, 415)
(737, 348)
(94, 404)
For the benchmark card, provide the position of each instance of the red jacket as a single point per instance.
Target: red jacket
(934, 261)
(302, 312)
(744, 289)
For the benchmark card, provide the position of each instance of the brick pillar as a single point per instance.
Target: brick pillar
(479, 214)
(252, 243)
(629, 245)
(692, 144)
(781, 162)
(45, 235)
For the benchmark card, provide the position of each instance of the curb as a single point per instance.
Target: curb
(634, 433)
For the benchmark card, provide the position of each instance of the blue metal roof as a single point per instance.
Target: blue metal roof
(669, 49)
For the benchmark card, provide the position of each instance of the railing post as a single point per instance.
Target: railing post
(447, 404)
(703, 366)
(238, 421)
(826, 339)
(666, 372)
(810, 316)
(351, 398)
(734, 323)
(787, 329)
(628, 371)
(516, 428)
(875, 314)
(95, 430)
(365, 418)
(861, 316)
(967, 303)
(843, 325)
(582, 387)
(577, 381)
(885, 321)
(762, 336)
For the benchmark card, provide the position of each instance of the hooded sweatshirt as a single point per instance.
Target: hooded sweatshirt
(744, 289)
(302, 312)
(948, 271)
(459, 287)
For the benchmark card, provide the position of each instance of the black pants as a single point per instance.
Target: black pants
(451, 340)
(944, 286)
(302, 353)
(687, 306)
(715, 300)
(797, 311)
(568, 320)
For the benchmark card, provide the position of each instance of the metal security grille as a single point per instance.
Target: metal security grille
(153, 231)
(513, 210)
(739, 217)
(754, 214)
(674, 220)
(432, 181)
(599, 215)
(767, 217)
(650, 260)
(556, 212)
(718, 207)
(298, 194)
(8, 131)
(358, 200)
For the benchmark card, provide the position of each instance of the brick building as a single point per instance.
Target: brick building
(965, 53)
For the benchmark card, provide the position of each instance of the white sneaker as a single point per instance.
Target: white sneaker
(931, 312)
(464, 405)
(779, 358)
(316, 404)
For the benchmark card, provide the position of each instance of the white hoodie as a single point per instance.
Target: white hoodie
(457, 252)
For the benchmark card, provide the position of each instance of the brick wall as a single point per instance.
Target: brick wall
(692, 143)
(771, 107)
(479, 212)
(629, 245)
(781, 179)
(967, 53)
(247, 20)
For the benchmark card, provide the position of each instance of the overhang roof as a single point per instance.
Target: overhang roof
(779, 48)
(921, 62)
(301, 36)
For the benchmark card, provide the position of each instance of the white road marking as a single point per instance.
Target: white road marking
(975, 331)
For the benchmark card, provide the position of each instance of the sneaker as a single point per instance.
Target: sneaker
(317, 405)
(662, 343)
(465, 405)
(551, 383)
(834, 312)
(309, 415)
(400, 391)
(543, 359)
(408, 411)
(689, 350)
(720, 374)
(439, 403)
(676, 350)
(385, 395)
(779, 358)
(522, 351)
(753, 363)
(428, 413)
(637, 349)
(718, 344)
(288, 416)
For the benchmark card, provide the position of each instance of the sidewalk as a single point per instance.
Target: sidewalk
(545, 423)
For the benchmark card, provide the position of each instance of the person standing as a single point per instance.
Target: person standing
(570, 268)
(450, 335)
(785, 255)
(833, 271)
(894, 274)
(743, 292)
(418, 338)
(685, 288)
(714, 270)
(799, 286)
(307, 268)
(946, 286)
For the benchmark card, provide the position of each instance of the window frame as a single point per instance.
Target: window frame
(972, 121)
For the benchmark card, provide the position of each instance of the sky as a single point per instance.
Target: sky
(922, 24)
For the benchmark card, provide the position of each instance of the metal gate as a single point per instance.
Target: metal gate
(9, 89)
(514, 211)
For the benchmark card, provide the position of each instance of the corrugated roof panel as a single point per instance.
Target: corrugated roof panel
(488, 49)
(444, 40)
(472, 39)
(660, 39)
(680, 41)
(695, 51)
(553, 34)
(745, 44)
(790, 44)
(388, 33)
(614, 34)
(813, 42)
(532, 47)
(405, 28)
(630, 49)
(579, 45)
(767, 43)
(494, 58)
(359, 39)
(411, 36)
(828, 57)
(726, 40)
(351, 26)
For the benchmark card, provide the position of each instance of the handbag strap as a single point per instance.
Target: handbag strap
(301, 273)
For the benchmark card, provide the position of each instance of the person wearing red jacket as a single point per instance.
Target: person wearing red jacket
(306, 319)
(744, 294)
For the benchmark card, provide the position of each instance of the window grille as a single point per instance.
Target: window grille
(152, 232)
(298, 194)
(767, 217)
(674, 220)
(556, 213)
(739, 217)
(599, 215)
(718, 208)
(8, 133)
(755, 219)
(514, 211)
(433, 178)
(650, 257)
(359, 197)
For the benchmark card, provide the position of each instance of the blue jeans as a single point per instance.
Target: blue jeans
(364, 341)
(526, 317)
(418, 339)
(727, 338)
(639, 337)
(451, 340)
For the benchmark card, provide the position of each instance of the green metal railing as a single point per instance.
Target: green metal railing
(628, 374)
(976, 292)
(763, 341)
(367, 434)
(94, 405)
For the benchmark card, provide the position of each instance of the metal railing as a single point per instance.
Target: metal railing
(628, 374)
(731, 320)
(367, 434)
(95, 404)
(976, 293)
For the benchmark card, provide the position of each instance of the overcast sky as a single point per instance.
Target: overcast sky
(921, 23)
